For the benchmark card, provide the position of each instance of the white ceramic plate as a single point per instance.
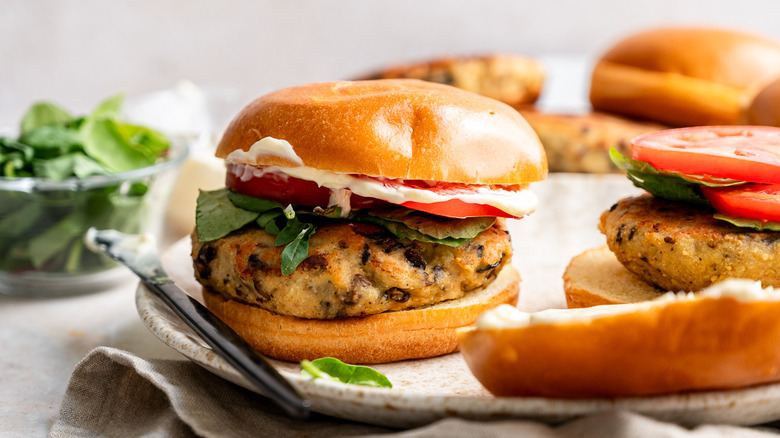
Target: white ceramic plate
(427, 390)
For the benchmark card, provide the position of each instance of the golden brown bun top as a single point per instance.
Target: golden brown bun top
(727, 57)
(765, 109)
(397, 128)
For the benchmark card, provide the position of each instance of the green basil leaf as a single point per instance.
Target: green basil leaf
(749, 223)
(297, 250)
(335, 370)
(290, 232)
(216, 216)
(43, 114)
(251, 203)
(268, 219)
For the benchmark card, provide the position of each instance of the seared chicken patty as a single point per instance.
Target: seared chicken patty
(352, 270)
(680, 247)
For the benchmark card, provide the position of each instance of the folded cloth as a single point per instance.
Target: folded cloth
(114, 393)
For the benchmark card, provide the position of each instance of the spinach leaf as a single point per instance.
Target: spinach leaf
(251, 203)
(664, 185)
(437, 227)
(104, 142)
(335, 370)
(43, 114)
(216, 216)
(402, 231)
(109, 108)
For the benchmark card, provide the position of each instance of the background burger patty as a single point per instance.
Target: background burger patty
(680, 247)
(352, 270)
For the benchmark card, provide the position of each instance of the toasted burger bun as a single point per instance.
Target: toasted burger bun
(684, 76)
(682, 345)
(396, 128)
(385, 337)
(509, 78)
(765, 108)
(596, 277)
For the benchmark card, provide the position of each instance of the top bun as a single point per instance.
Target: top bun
(765, 109)
(684, 76)
(396, 128)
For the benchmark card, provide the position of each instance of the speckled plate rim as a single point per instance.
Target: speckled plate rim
(399, 407)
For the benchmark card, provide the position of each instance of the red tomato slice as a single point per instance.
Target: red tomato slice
(288, 190)
(744, 153)
(750, 201)
(457, 209)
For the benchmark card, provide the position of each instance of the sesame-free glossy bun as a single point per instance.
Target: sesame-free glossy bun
(385, 337)
(396, 128)
(680, 346)
(684, 76)
(765, 108)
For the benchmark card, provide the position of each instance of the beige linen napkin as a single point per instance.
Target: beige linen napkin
(113, 393)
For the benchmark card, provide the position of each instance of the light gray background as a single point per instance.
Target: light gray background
(76, 52)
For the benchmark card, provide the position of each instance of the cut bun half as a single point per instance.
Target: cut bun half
(596, 277)
(385, 337)
(670, 346)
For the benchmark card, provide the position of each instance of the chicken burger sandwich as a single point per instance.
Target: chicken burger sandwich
(365, 220)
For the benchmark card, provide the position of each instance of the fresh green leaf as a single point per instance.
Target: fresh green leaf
(267, 221)
(401, 231)
(669, 187)
(147, 141)
(83, 166)
(216, 216)
(335, 370)
(51, 140)
(103, 142)
(19, 220)
(43, 114)
(110, 108)
(438, 227)
(296, 251)
(56, 239)
(251, 203)
(664, 185)
(749, 223)
(290, 232)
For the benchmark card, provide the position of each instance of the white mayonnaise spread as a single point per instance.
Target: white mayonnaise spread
(265, 146)
(243, 165)
(506, 316)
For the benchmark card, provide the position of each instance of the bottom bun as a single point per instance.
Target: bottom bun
(596, 277)
(385, 337)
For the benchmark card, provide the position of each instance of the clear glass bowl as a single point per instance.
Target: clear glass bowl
(42, 225)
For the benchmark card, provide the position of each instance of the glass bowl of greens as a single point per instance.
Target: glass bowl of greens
(63, 174)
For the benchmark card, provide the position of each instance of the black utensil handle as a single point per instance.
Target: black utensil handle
(234, 349)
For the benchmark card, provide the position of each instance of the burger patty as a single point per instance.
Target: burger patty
(352, 270)
(680, 247)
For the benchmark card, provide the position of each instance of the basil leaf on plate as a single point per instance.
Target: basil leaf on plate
(332, 369)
